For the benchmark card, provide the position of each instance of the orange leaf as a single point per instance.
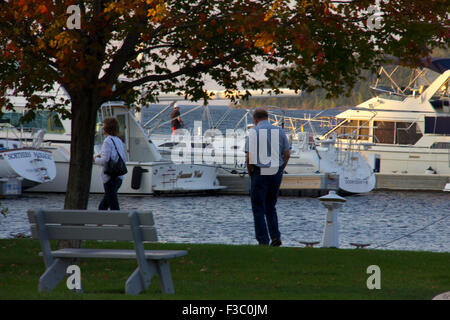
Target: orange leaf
(42, 9)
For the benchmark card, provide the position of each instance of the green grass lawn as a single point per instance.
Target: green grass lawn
(224, 272)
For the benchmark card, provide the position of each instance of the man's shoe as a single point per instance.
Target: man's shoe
(276, 243)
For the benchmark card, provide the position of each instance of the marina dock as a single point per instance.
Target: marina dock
(318, 184)
(291, 185)
(418, 182)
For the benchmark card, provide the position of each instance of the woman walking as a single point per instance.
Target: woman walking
(112, 148)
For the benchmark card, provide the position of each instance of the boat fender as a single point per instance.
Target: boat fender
(136, 177)
(430, 170)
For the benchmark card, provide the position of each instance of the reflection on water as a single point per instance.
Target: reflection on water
(376, 218)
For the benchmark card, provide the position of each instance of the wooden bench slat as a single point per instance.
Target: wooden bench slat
(66, 232)
(117, 253)
(91, 217)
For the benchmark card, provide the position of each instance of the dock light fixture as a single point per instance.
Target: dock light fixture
(332, 202)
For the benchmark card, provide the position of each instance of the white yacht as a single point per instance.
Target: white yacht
(308, 155)
(148, 173)
(23, 165)
(405, 128)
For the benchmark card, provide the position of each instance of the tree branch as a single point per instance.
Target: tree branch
(183, 71)
(121, 57)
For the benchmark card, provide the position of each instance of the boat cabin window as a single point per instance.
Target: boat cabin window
(437, 125)
(122, 127)
(183, 145)
(47, 120)
(99, 137)
(168, 145)
(353, 129)
(384, 132)
(440, 145)
(407, 133)
(389, 132)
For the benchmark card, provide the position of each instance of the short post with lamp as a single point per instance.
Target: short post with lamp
(332, 202)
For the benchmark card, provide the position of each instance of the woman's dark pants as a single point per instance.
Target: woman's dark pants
(110, 200)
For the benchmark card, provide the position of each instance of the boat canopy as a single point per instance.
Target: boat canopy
(440, 65)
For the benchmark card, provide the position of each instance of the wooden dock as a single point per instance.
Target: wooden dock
(292, 185)
(422, 182)
(315, 185)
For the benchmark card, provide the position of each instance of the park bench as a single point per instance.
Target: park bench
(137, 227)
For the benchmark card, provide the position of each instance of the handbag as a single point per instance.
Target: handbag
(115, 169)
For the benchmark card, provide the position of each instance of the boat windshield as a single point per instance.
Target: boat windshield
(387, 93)
(441, 99)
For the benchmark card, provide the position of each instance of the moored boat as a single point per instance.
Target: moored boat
(406, 128)
(308, 155)
(23, 166)
(148, 172)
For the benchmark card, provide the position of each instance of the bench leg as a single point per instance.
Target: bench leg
(53, 275)
(139, 281)
(165, 277)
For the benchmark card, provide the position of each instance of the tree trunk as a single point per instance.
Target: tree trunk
(84, 113)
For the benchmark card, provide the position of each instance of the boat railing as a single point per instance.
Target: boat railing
(302, 140)
(31, 135)
(347, 150)
(345, 146)
(302, 124)
(19, 137)
(356, 139)
(156, 122)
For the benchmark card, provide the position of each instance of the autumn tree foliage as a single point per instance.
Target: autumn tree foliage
(158, 46)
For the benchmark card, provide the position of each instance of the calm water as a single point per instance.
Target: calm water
(376, 218)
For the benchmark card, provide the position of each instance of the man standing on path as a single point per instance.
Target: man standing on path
(267, 154)
(177, 123)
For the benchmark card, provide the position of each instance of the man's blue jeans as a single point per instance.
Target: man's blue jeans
(264, 194)
(110, 200)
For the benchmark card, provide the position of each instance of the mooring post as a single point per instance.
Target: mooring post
(331, 231)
